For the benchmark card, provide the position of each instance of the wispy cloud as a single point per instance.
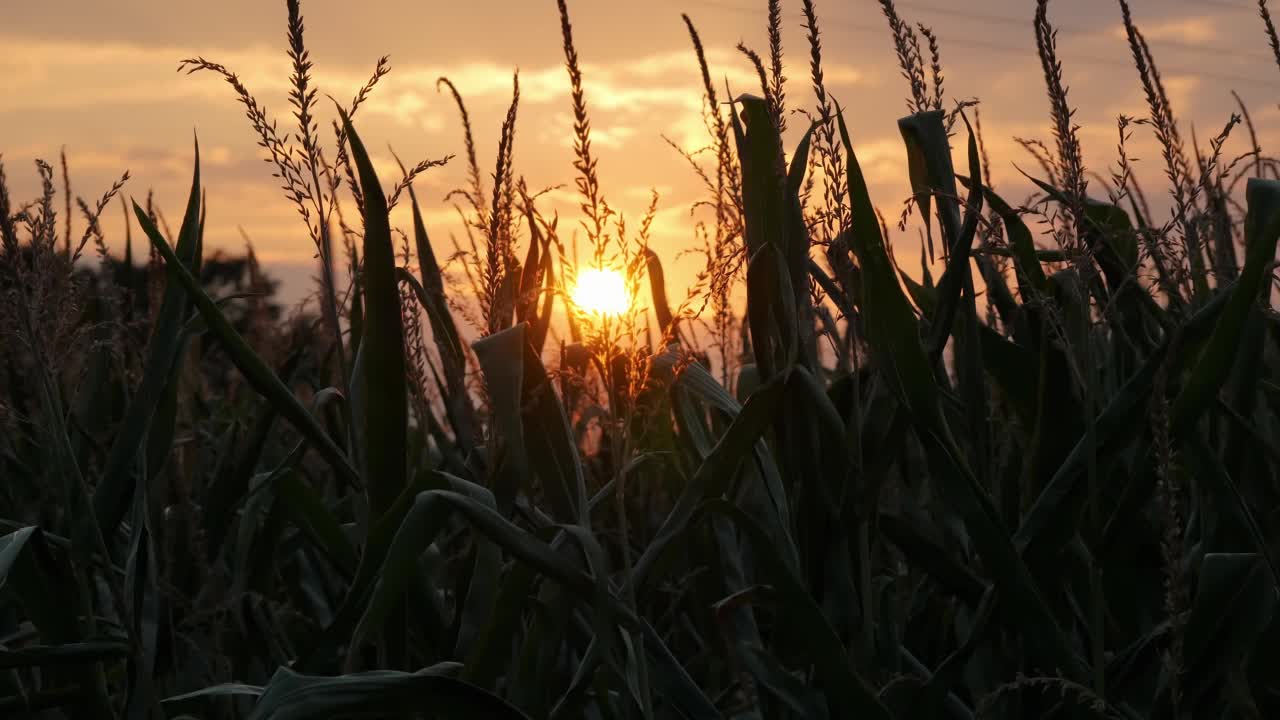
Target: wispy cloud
(121, 105)
(1197, 30)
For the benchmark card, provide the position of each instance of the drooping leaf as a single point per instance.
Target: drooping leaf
(293, 696)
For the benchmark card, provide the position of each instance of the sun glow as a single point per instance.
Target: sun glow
(601, 291)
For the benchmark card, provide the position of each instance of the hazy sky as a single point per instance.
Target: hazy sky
(100, 79)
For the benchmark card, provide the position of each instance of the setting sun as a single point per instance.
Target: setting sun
(601, 291)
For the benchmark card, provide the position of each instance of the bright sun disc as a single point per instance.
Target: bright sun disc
(601, 292)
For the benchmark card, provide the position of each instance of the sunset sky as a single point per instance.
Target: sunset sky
(100, 79)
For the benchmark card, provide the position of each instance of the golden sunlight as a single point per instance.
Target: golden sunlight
(601, 291)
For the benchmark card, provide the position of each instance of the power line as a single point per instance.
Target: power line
(880, 30)
(1238, 7)
(1069, 30)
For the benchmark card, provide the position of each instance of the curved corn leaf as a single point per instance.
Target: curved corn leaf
(929, 554)
(316, 520)
(164, 356)
(228, 487)
(386, 412)
(933, 175)
(848, 693)
(1054, 512)
(890, 326)
(800, 162)
(772, 216)
(293, 696)
(444, 332)
(1029, 273)
(79, 653)
(1262, 229)
(260, 376)
(713, 475)
(699, 384)
(658, 289)
(784, 686)
(1234, 600)
(432, 508)
(774, 333)
(553, 454)
(892, 332)
(501, 357)
(11, 547)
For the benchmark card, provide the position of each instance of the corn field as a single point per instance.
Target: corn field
(1045, 484)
